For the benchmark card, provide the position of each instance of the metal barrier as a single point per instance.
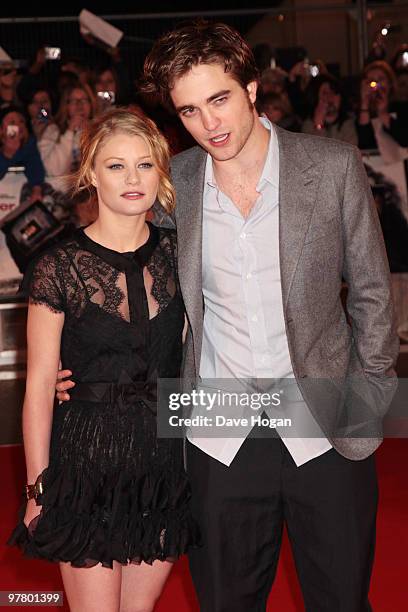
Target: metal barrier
(21, 36)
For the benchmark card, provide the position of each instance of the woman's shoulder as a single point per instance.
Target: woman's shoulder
(60, 250)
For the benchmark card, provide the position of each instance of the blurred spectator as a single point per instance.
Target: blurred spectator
(74, 65)
(8, 84)
(40, 111)
(59, 144)
(18, 148)
(382, 122)
(264, 55)
(277, 108)
(393, 222)
(109, 75)
(300, 75)
(35, 77)
(399, 64)
(400, 58)
(328, 115)
(273, 80)
(111, 86)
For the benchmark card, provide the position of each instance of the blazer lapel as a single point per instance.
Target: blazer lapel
(299, 178)
(189, 220)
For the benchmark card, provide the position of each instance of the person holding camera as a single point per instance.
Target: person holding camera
(60, 142)
(39, 108)
(328, 115)
(381, 123)
(18, 148)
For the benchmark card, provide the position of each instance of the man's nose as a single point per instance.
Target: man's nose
(210, 121)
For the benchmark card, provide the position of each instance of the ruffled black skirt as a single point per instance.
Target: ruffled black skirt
(112, 492)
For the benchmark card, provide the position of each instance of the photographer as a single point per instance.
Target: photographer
(59, 144)
(39, 108)
(18, 148)
(327, 112)
(381, 123)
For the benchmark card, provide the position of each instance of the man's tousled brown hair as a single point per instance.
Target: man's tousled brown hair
(198, 42)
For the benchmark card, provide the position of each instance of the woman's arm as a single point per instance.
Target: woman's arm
(56, 151)
(44, 328)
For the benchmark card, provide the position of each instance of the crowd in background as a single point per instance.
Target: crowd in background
(41, 121)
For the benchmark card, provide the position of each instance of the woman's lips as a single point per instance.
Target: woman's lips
(133, 195)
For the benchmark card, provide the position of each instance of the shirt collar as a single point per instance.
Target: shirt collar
(270, 172)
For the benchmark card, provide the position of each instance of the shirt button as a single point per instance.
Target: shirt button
(254, 318)
(243, 235)
(249, 275)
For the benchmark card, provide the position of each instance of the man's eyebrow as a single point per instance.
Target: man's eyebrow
(218, 94)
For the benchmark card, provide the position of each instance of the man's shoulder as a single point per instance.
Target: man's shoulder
(320, 148)
(185, 158)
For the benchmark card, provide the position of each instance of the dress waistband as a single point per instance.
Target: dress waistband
(123, 394)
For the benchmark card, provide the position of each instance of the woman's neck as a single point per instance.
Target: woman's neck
(122, 235)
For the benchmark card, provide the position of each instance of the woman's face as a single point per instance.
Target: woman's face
(8, 76)
(79, 104)
(40, 100)
(18, 122)
(332, 100)
(125, 175)
(106, 82)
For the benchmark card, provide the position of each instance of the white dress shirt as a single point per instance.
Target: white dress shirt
(244, 333)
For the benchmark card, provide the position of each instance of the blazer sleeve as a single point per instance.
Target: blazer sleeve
(367, 274)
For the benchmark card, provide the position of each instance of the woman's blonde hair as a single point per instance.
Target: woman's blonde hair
(132, 123)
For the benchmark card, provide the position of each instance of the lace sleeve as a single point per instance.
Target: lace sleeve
(42, 283)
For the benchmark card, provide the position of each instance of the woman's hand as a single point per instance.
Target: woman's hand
(31, 512)
(320, 113)
(365, 93)
(76, 123)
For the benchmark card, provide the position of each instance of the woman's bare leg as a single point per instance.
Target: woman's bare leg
(92, 589)
(142, 585)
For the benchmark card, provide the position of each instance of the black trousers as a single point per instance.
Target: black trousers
(328, 504)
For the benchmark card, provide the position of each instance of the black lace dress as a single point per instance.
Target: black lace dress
(112, 490)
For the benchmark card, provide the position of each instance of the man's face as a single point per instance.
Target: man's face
(215, 109)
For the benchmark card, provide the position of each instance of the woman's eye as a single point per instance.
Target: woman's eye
(115, 166)
(146, 165)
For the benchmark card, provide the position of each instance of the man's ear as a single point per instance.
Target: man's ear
(252, 89)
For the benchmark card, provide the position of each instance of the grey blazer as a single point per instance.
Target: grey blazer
(328, 230)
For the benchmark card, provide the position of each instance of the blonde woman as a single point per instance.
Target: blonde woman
(107, 499)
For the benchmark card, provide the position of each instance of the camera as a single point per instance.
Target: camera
(52, 53)
(106, 97)
(43, 115)
(12, 131)
(314, 70)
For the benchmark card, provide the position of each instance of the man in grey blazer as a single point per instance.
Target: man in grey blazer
(269, 223)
